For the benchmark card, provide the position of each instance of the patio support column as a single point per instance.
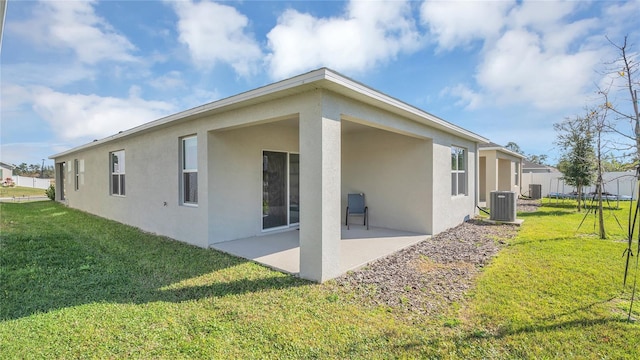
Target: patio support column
(320, 191)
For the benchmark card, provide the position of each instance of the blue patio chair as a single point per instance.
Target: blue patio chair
(356, 206)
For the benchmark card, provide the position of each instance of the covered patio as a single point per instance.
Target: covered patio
(358, 247)
(269, 178)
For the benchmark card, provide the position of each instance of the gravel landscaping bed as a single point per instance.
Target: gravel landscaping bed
(429, 276)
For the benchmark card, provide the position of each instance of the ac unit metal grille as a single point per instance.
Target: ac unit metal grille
(535, 191)
(503, 206)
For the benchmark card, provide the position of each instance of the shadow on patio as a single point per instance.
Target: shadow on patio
(358, 247)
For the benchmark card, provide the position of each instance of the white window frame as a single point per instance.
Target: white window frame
(120, 173)
(456, 152)
(184, 170)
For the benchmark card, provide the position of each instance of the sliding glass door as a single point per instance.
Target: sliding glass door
(280, 189)
(294, 188)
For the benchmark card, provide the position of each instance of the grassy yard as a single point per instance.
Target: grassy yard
(19, 191)
(75, 285)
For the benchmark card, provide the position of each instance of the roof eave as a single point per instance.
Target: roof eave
(320, 78)
(504, 150)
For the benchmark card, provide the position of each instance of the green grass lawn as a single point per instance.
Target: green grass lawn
(73, 285)
(19, 191)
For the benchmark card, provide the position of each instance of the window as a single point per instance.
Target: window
(517, 174)
(76, 173)
(117, 172)
(189, 169)
(458, 171)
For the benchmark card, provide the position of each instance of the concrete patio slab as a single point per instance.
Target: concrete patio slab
(358, 247)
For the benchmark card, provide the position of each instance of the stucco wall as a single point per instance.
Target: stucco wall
(449, 211)
(5, 173)
(505, 175)
(393, 171)
(151, 200)
(235, 188)
(498, 173)
(405, 188)
(482, 181)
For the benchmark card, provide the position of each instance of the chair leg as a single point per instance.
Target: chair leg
(366, 218)
(346, 218)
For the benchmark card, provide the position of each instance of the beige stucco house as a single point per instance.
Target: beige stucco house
(279, 158)
(500, 170)
(6, 171)
(533, 168)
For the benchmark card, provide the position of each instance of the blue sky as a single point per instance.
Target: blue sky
(74, 71)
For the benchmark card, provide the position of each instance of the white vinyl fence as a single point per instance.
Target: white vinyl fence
(31, 182)
(618, 183)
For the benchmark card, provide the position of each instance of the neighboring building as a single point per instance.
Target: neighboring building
(500, 170)
(531, 167)
(280, 157)
(6, 172)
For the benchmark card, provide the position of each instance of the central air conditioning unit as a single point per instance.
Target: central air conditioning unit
(503, 206)
(535, 191)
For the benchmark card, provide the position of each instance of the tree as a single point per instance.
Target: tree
(34, 170)
(21, 169)
(624, 78)
(514, 147)
(610, 163)
(597, 118)
(577, 164)
(537, 159)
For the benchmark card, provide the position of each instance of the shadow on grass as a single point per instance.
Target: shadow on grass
(520, 242)
(544, 328)
(53, 257)
(587, 205)
(544, 213)
(582, 308)
(554, 326)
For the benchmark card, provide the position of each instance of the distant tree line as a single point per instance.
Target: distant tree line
(34, 170)
(540, 159)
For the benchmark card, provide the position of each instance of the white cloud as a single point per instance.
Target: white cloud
(14, 97)
(518, 69)
(458, 23)
(625, 16)
(77, 116)
(540, 15)
(50, 74)
(217, 33)
(169, 81)
(368, 33)
(532, 52)
(73, 25)
(467, 97)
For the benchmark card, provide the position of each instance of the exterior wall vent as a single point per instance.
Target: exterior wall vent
(535, 191)
(503, 206)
